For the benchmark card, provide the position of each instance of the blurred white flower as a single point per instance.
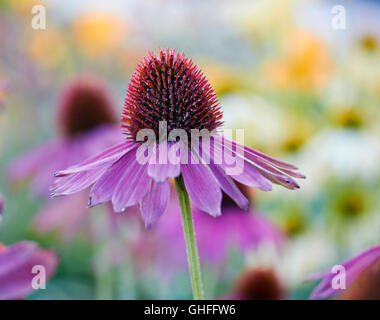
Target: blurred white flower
(342, 153)
(301, 256)
(261, 119)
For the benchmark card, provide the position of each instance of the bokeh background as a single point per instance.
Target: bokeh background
(302, 91)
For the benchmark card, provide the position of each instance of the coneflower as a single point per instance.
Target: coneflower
(169, 90)
(84, 105)
(86, 122)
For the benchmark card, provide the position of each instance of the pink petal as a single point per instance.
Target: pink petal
(133, 184)
(104, 188)
(16, 264)
(162, 171)
(202, 187)
(272, 169)
(254, 155)
(108, 156)
(229, 187)
(250, 176)
(80, 177)
(155, 202)
(353, 267)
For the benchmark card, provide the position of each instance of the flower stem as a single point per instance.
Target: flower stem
(191, 244)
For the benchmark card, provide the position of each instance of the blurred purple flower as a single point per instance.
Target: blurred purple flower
(258, 284)
(169, 87)
(16, 268)
(354, 267)
(366, 286)
(86, 120)
(234, 229)
(65, 215)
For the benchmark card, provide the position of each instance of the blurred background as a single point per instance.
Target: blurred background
(302, 90)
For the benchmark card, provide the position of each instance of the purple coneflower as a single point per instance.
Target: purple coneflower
(86, 121)
(20, 264)
(347, 274)
(169, 90)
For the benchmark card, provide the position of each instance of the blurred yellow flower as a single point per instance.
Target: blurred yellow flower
(292, 218)
(47, 47)
(223, 79)
(97, 34)
(350, 205)
(305, 65)
(262, 19)
(364, 65)
(369, 43)
(297, 131)
(349, 202)
(268, 126)
(23, 7)
(349, 117)
(261, 119)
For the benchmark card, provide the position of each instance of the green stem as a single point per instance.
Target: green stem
(191, 244)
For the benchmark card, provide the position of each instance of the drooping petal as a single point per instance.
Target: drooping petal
(202, 187)
(76, 182)
(254, 154)
(229, 187)
(225, 182)
(206, 150)
(155, 202)
(277, 171)
(248, 175)
(133, 184)
(275, 175)
(258, 174)
(252, 177)
(283, 180)
(104, 188)
(353, 268)
(80, 177)
(108, 156)
(15, 255)
(16, 268)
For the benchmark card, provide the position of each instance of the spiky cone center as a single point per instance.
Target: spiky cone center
(84, 106)
(169, 87)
